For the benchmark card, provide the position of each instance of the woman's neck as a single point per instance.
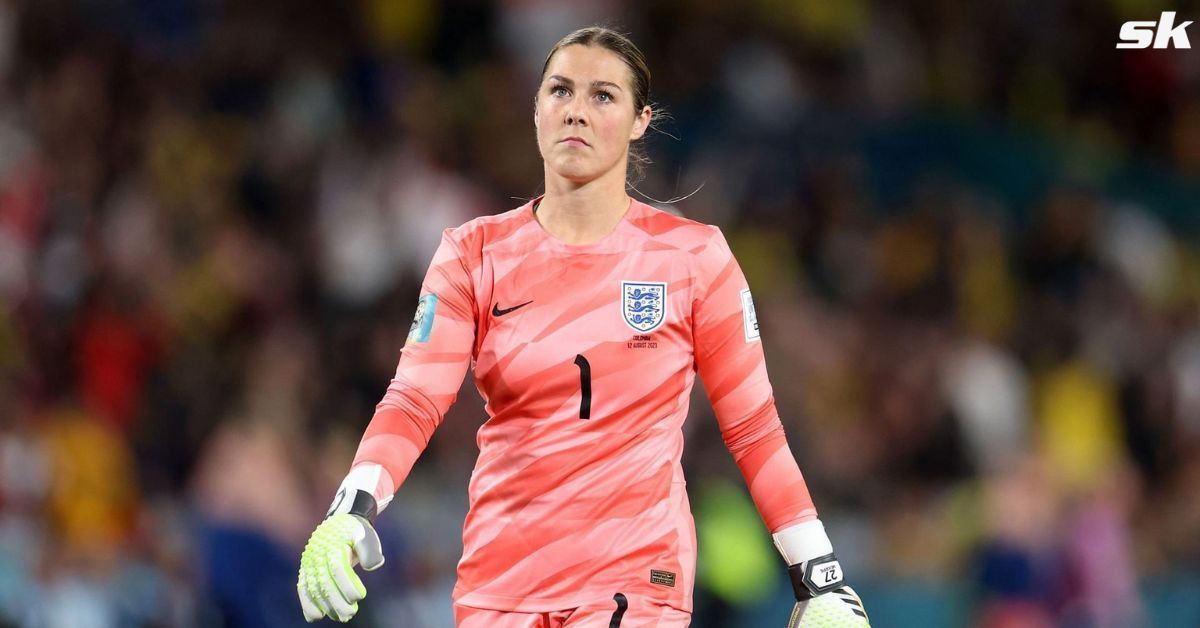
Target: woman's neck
(582, 214)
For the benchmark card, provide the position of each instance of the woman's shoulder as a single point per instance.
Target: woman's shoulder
(491, 225)
(670, 227)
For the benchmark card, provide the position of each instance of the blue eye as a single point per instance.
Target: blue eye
(559, 90)
(604, 96)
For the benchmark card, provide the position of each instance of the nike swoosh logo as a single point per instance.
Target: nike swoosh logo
(496, 311)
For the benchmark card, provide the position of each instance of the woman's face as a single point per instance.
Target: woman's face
(584, 113)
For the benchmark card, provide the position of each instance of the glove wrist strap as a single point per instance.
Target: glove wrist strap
(814, 577)
(354, 502)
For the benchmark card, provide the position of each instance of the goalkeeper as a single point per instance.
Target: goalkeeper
(586, 315)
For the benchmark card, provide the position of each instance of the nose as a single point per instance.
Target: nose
(574, 114)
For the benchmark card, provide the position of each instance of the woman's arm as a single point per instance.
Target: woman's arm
(430, 372)
(729, 358)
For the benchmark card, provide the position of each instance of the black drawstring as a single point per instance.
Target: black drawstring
(622, 604)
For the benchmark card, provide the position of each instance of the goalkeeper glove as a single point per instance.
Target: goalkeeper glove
(839, 608)
(328, 586)
(823, 600)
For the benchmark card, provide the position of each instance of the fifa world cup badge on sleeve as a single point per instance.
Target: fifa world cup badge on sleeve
(749, 317)
(422, 323)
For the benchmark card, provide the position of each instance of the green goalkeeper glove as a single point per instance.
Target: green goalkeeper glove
(839, 608)
(823, 600)
(328, 586)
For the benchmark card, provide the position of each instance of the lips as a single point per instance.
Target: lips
(573, 140)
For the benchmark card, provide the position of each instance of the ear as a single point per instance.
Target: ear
(535, 113)
(641, 123)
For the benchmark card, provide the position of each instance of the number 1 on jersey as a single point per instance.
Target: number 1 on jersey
(585, 386)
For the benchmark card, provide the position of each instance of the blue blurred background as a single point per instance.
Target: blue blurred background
(971, 229)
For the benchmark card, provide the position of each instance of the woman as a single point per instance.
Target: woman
(586, 315)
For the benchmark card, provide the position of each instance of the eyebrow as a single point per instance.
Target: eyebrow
(569, 83)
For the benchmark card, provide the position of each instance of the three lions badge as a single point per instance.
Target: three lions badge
(643, 304)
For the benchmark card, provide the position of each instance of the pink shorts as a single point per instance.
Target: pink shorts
(619, 612)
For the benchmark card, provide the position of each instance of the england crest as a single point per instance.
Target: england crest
(643, 304)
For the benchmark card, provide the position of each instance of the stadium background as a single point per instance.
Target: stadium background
(970, 229)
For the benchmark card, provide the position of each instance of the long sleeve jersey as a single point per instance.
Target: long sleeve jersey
(585, 356)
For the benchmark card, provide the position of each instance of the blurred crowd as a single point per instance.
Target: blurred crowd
(971, 230)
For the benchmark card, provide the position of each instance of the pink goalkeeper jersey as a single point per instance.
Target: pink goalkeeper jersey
(585, 356)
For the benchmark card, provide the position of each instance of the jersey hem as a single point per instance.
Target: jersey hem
(548, 605)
